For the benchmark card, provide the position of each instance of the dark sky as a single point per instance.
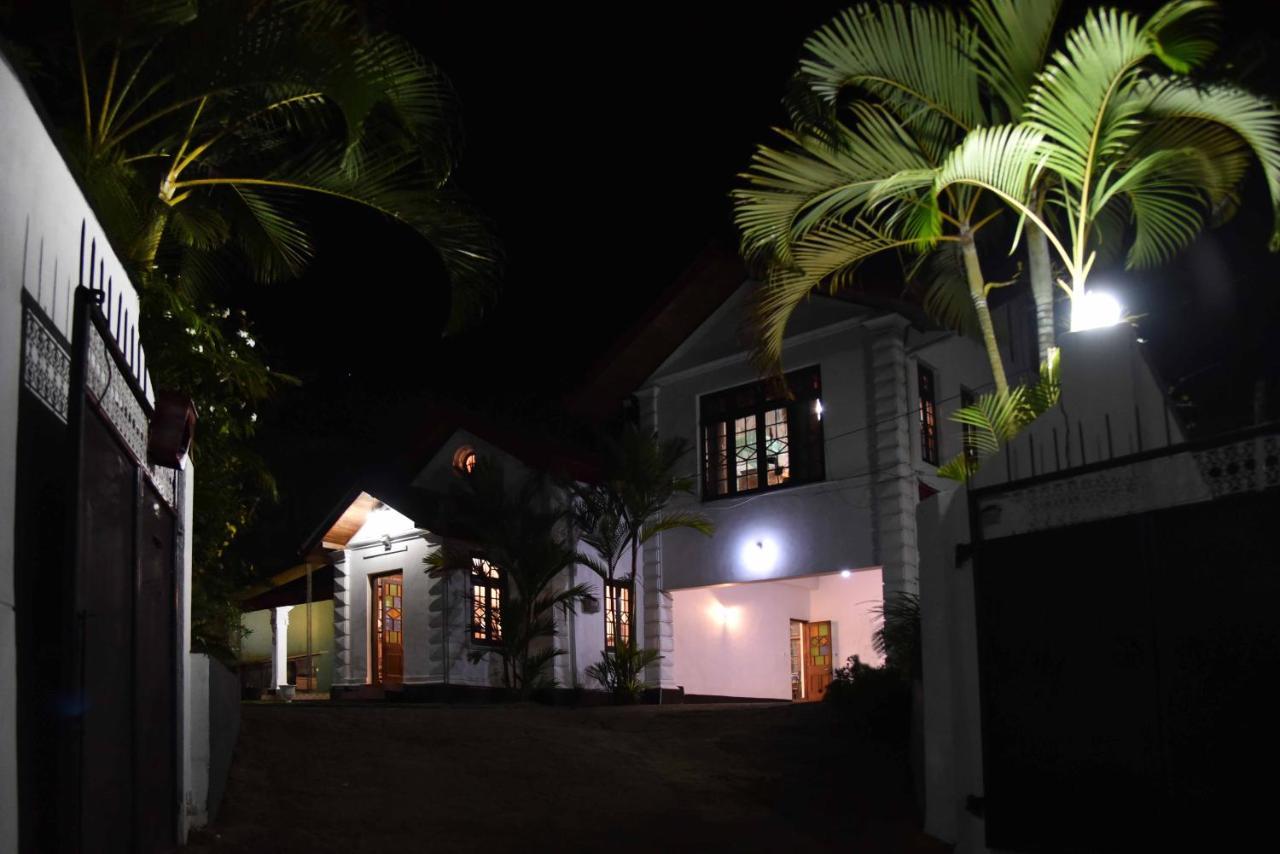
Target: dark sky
(602, 143)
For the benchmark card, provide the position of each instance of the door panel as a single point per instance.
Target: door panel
(389, 630)
(106, 520)
(818, 661)
(156, 766)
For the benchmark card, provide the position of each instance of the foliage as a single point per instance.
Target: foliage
(897, 637)
(995, 419)
(877, 700)
(627, 508)
(517, 528)
(885, 90)
(620, 671)
(1127, 138)
(196, 130)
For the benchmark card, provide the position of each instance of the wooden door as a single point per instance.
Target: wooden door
(388, 628)
(818, 661)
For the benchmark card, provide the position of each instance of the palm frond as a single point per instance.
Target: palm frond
(915, 59)
(1013, 41)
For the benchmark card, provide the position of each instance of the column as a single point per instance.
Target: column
(894, 484)
(280, 645)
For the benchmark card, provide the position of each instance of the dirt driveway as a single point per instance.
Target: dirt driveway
(388, 778)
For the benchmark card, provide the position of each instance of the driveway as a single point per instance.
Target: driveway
(398, 777)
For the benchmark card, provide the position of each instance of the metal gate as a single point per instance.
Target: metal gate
(98, 547)
(1126, 662)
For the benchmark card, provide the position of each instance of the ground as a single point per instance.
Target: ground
(397, 777)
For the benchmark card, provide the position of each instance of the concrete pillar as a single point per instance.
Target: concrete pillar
(894, 483)
(280, 645)
(343, 673)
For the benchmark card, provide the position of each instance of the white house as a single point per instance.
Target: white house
(813, 499)
(95, 562)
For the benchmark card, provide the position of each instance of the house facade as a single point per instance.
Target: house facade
(813, 493)
(812, 489)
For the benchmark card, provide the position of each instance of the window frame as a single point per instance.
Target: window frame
(491, 584)
(620, 604)
(930, 436)
(806, 449)
(967, 398)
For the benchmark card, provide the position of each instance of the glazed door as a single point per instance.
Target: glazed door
(818, 661)
(388, 631)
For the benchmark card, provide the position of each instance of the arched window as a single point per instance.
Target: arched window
(464, 460)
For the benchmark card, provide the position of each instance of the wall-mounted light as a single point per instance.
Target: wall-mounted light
(1095, 310)
(817, 408)
(844, 573)
(759, 555)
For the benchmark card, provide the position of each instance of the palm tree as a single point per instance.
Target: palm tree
(642, 473)
(199, 132)
(200, 129)
(885, 89)
(518, 528)
(1126, 136)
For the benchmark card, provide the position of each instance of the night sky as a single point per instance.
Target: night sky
(602, 144)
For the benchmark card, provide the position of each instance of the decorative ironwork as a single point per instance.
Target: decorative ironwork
(1241, 466)
(113, 394)
(1168, 480)
(46, 364)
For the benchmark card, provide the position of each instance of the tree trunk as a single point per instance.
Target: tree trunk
(977, 292)
(1041, 272)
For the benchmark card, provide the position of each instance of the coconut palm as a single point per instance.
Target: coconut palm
(880, 88)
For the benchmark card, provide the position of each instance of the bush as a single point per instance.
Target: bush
(619, 671)
(877, 699)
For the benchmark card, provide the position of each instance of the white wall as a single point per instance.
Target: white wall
(734, 640)
(42, 217)
(815, 527)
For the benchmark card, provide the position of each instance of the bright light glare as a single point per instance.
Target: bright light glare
(817, 409)
(844, 573)
(1095, 310)
(759, 556)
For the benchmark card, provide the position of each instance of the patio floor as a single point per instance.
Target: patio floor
(398, 777)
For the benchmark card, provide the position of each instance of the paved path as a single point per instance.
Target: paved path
(409, 778)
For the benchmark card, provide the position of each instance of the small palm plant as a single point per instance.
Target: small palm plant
(615, 518)
(516, 528)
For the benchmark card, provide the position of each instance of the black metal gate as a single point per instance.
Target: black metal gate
(1126, 673)
(98, 548)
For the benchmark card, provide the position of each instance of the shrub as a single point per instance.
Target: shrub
(619, 671)
(877, 699)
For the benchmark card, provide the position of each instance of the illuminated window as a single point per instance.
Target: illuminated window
(928, 414)
(464, 460)
(617, 613)
(970, 453)
(486, 602)
(757, 437)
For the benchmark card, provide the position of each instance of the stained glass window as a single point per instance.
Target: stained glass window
(762, 435)
(820, 644)
(486, 602)
(970, 453)
(928, 414)
(617, 613)
(746, 449)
